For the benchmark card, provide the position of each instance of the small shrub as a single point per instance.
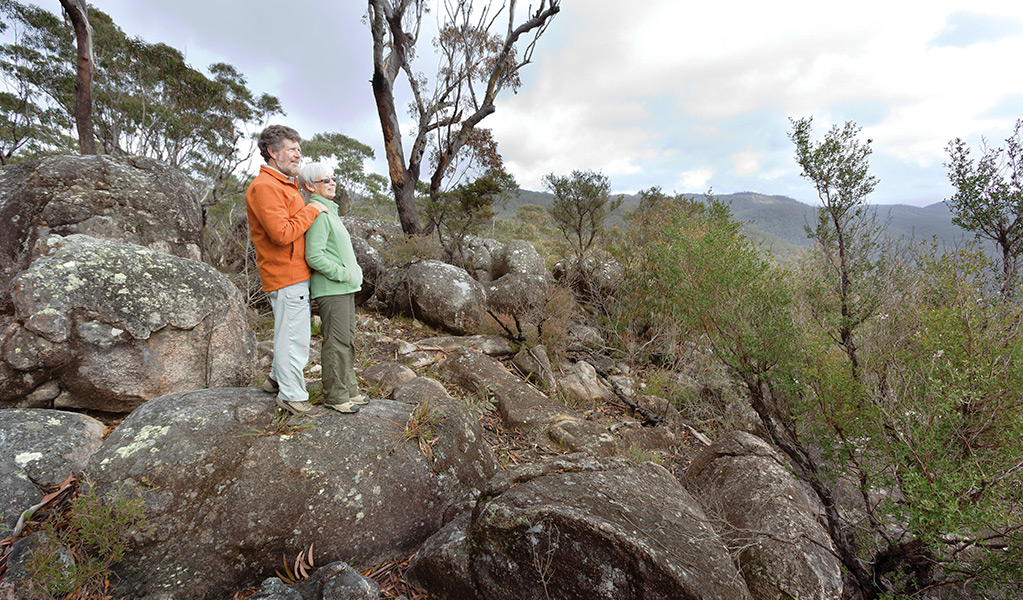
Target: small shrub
(94, 531)
(402, 250)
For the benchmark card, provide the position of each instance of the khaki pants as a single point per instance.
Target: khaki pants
(337, 356)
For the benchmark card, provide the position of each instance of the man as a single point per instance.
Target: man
(278, 220)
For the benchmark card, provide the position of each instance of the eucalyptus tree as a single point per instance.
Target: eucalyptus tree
(988, 198)
(582, 202)
(146, 100)
(846, 230)
(479, 55)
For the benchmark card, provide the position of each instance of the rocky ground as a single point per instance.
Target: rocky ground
(377, 340)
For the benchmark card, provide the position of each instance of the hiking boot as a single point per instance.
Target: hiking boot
(347, 407)
(270, 386)
(360, 399)
(295, 408)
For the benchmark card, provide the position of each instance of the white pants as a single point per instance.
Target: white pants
(291, 340)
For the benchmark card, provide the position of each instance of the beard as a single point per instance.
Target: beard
(290, 169)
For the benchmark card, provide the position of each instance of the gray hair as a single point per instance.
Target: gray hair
(313, 172)
(273, 138)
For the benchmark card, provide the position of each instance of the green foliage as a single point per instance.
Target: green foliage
(691, 273)
(988, 197)
(94, 532)
(349, 155)
(846, 230)
(581, 203)
(146, 100)
(465, 210)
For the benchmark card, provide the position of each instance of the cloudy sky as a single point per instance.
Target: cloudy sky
(682, 95)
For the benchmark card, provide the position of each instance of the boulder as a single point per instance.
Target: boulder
(579, 528)
(491, 345)
(116, 324)
(476, 255)
(582, 385)
(40, 446)
(336, 581)
(591, 278)
(437, 293)
(535, 366)
(768, 518)
(518, 256)
(229, 488)
(520, 404)
(126, 198)
(387, 376)
(584, 337)
(517, 293)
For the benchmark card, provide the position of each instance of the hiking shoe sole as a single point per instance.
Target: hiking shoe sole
(295, 408)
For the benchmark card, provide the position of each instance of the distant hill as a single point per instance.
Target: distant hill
(777, 222)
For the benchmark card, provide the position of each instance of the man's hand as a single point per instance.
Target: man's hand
(318, 206)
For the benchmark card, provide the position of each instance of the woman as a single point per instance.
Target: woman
(336, 278)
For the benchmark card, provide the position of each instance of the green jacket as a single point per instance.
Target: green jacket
(328, 250)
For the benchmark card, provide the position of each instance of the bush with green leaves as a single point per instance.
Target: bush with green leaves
(94, 533)
(581, 203)
(915, 457)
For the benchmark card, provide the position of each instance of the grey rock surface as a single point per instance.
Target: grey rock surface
(116, 324)
(581, 529)
(127, 198)
(215, 469)
(44, 446)
(768, 518)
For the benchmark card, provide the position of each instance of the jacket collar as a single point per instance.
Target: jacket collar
(277, 175)
(330, 204)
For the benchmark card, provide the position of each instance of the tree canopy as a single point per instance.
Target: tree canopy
(477, 60)
(988, 198)
(146, 100)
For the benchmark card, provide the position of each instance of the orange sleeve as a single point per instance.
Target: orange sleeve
(282, 212)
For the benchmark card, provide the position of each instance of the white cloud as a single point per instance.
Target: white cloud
(746, 162)
(696, 179)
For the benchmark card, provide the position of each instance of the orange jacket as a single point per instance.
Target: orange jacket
(278, 219)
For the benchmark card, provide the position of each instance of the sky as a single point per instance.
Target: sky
(682, 95)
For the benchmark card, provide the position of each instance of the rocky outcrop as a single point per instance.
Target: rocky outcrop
(768, 518)
(437, 293)
(518, 256)
(578, 528)
(40, 446)
(116, 324)
(229, 490)
(131, 199)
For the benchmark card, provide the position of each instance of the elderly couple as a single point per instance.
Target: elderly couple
(303, 251)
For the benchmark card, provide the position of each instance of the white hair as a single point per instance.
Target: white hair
(313, 172)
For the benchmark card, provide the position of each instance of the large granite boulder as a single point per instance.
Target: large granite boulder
(115, 324)
(229, 489)
(519, 294)
(40, 446)
(437, 293)
(768, 518)
(578, 528)
(518, 256)
(125, 198)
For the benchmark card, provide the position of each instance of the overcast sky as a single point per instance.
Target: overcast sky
(682, 95)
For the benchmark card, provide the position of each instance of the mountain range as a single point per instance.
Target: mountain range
(778, 222)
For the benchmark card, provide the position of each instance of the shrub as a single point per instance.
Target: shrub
(94, 532)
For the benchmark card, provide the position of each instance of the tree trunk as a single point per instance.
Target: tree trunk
(77, 12)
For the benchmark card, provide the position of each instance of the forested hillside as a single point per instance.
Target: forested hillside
(778, 222)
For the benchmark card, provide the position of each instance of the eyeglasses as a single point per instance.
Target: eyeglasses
(326, 180)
